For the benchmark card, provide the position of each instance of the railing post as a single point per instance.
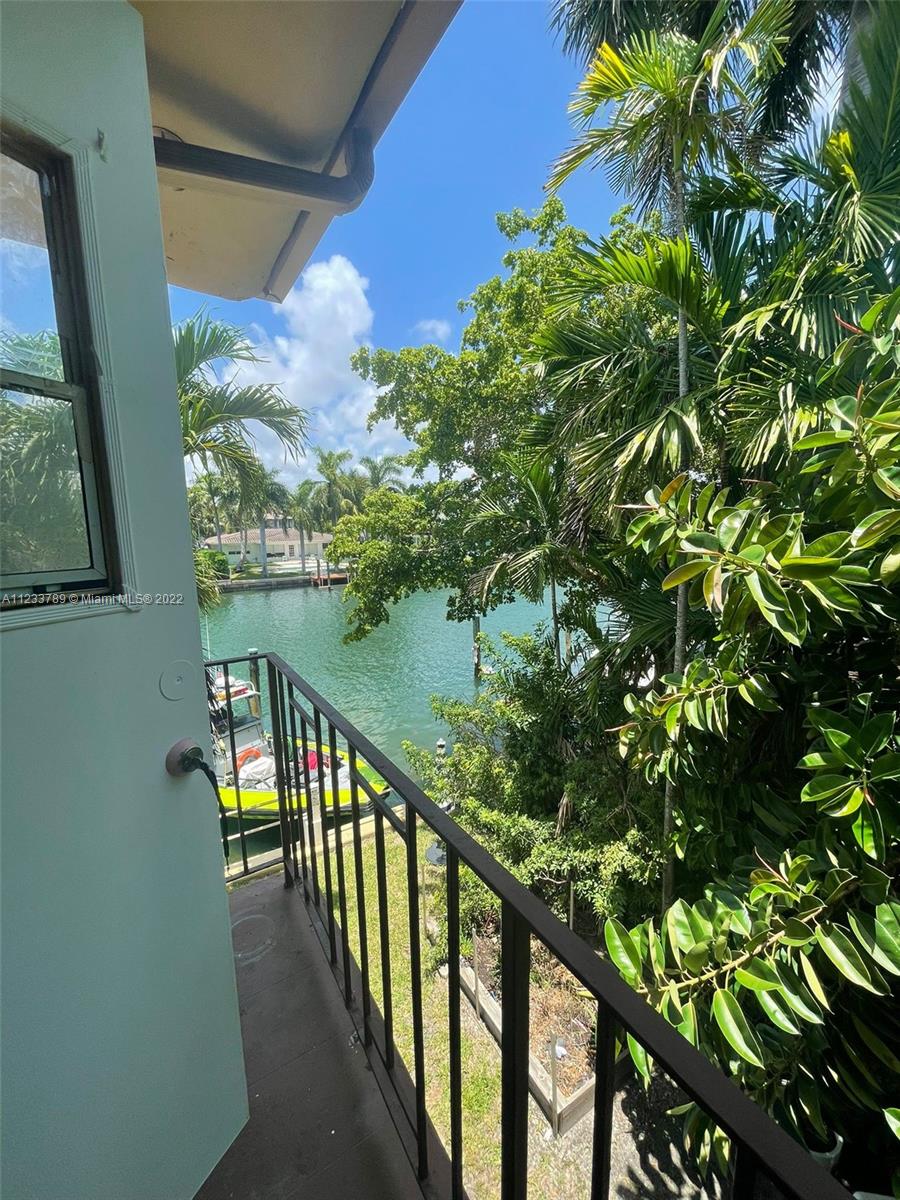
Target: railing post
(384, 934)
(360, 899)
(253, 702)
(234, 771)
(323, 826)
(339, 857)
(743, 1178)
(515, 950)
(455, 1050)
(310, 814)
(278, 745)
(604, 1095)
(297, 814)
(415, 967)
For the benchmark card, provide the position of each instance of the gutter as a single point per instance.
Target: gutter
(313, 189)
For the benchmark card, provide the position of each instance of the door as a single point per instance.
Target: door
(122, 1066)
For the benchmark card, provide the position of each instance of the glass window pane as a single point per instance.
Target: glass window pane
(28, 335)
(42, 516)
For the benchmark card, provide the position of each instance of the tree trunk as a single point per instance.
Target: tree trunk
(263, 551)
(555, 616)
(681, 605)
(215, 508)
(302, 553)
(476, 647)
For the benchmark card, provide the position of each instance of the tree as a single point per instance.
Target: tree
(331, 494)
(522, 521)
(382, 472)
(816, 37)
(681, 104)
(460, 409)
(303, 511)
(215, 412)
(272, 499)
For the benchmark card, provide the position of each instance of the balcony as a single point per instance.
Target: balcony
(360, 1049)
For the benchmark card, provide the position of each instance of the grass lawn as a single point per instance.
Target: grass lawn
(556, 1168)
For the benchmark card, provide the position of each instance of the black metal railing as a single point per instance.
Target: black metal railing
(300, 719)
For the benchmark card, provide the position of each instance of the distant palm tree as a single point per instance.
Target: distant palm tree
(273, 499)
(215, 413)
(303, 510)
(331, 494)
(382, 472)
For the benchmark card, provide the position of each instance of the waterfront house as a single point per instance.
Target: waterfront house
(283, 545)
(211, 143)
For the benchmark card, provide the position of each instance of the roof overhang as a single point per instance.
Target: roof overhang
(266, 116)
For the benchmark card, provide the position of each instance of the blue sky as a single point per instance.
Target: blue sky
(474, 137)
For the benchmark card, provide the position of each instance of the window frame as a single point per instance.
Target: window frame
(80, 384)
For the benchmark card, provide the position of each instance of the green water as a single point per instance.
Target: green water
(382, 684)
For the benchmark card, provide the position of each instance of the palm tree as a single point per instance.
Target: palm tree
(331, 497)
(382, 472)
(215, 412)
(303, 510)
(525, 526)
(680, 105)
(816, 39)
(272, 499)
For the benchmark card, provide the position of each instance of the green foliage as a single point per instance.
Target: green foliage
(801, 916)
(207, 577)
(549, 814)
(216, 560)
(459, 409)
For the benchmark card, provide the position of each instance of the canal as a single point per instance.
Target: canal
(382, 684)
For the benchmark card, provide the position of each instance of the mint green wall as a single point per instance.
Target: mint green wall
(122, 1074)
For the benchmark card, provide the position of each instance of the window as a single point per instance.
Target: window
(54, 510)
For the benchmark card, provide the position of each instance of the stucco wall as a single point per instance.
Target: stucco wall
(122, 1074)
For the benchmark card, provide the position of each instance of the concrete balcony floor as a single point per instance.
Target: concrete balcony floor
(319, 1126)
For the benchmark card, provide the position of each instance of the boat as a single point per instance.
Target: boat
(253, 762)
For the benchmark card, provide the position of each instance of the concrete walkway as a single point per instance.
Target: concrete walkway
(318, 1127)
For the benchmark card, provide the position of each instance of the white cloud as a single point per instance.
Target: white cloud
(326, 317)
(433, 329)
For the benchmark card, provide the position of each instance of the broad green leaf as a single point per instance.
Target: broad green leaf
(622, 949)
(813, 981)
(823, 788)
(876, 733)
(729, 528)
(797, 995)
(886, 767)
(892, 1116)
(685, 572)
(827, 437)
(731, 1021)
(678, 925)
(868, 832)
(777, 1011)
(698, 540)
(838, 947)
(874, 527)
(889, 571)
(876, 940)
(639, 1057)
(805, 567)
(758, 975)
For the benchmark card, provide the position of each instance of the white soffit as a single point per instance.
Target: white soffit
(276, 81)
